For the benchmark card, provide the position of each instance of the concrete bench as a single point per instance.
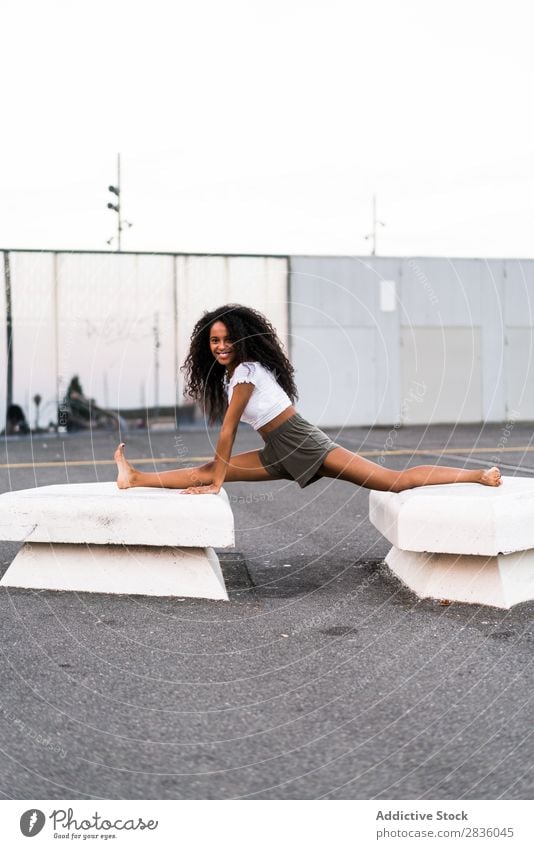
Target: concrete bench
(461, 542)
(94, 537)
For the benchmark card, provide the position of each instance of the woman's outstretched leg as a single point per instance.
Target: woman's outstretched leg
(347, 466)
(242, 467)
(128, 476)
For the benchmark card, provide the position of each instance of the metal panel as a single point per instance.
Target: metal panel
(3, 345)
(335, 374)
(34, 344)
(519, 293)
(342, 295)
(122, 322)
(439, 292)
(204, 283)
(519, 372)
(112, 309)
(492, 341)
(326, 291)
(441, 377)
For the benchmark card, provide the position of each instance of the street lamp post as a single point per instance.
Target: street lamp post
(372, 235)
(116, 190)
(9, 331)
(116, 207)
(157, 346)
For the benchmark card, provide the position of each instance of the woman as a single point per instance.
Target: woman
(237, 370)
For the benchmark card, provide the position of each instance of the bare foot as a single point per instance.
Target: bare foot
(126, 475)
(491, 477)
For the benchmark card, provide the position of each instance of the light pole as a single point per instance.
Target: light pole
(372, 235)
(116, 207)
(9, 331)
(157, 346)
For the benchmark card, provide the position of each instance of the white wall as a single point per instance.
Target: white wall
(95, 314)
(204, 283)
(362, 331)
(463, 328)
(345, 347)
(34, 333)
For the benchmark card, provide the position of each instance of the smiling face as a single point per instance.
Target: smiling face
(221, 345)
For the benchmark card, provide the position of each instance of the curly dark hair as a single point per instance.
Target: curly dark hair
(253, 338)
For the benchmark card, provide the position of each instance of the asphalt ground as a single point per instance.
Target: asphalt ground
(321, 678)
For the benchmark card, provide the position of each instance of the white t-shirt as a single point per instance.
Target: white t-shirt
(268, 398)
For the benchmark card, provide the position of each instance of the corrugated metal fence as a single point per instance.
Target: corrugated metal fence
(373, 340)
(384, 341)
(122, 322)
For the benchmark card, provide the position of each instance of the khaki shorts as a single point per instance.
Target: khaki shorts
(295, 450)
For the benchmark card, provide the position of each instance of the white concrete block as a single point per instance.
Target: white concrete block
(499, 581)
(102, 514)
(460, 518)
(132, 570)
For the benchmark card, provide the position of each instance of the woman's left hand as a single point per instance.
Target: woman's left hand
(208, 489)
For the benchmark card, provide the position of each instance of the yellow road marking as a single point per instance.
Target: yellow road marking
(139, 462)
(175, 460)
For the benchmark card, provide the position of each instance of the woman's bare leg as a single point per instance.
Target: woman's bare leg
(343, 464)
(242, 467)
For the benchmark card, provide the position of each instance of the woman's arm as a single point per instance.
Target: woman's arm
(225, 443)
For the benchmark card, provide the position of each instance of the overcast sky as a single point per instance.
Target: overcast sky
(267, 127)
